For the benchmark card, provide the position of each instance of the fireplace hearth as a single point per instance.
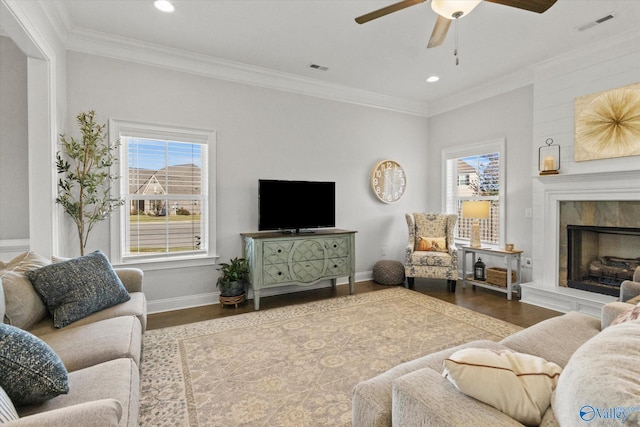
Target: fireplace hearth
(598, 257)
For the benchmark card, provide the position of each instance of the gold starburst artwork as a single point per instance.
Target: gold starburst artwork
(607, 124)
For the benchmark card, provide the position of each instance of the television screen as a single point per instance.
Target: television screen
(295, 205)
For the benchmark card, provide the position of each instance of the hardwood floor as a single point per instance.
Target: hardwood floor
(485, 301)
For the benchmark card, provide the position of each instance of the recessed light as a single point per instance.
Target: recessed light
(433, 79)
(164, 6)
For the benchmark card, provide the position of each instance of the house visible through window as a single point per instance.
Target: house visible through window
(167, 211)
(165, 196)
(476, 173)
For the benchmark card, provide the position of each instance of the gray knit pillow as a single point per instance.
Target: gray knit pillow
(78, 287)
(31, 371)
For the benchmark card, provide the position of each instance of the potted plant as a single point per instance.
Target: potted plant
(231, 281)
(84, 188)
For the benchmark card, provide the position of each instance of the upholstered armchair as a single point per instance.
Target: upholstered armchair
(431, 253)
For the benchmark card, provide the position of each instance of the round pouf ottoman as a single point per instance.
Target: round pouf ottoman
(387, 272)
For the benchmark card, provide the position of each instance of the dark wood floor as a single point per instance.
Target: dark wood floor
(485, 301)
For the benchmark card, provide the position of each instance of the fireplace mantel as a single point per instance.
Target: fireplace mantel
(548, 192)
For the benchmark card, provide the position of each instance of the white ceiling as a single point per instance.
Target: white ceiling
(387, 56)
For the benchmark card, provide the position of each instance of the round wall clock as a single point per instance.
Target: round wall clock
(388, 181)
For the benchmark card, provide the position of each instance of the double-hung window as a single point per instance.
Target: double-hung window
(166, 180)
(476, 172)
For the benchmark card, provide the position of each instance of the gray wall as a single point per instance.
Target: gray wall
(14, 172)
(262, 133)
(508, 116)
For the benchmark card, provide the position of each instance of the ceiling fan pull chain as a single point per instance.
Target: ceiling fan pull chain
(455, 49)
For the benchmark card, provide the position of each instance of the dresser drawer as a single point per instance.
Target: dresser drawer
(337, 248)
(307, 271)
(337, 266)
(276, 273)
(276, 252)
(305, 250)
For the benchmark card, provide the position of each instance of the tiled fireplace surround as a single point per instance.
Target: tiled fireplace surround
(548, 260)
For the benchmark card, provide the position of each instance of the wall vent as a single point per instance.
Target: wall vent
(596, 22)
(319, 67)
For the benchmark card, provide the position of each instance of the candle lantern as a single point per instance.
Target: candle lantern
(479, 272)
(549, 158)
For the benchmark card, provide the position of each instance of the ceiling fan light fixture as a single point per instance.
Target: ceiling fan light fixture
(453, 9)
(164, 6)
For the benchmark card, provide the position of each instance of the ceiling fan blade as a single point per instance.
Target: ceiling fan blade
(387, 10)
(538, 6)
(439, 32)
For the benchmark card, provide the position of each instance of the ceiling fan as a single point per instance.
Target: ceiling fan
(449, 10)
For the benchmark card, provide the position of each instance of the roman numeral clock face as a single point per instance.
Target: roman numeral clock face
(388, 181)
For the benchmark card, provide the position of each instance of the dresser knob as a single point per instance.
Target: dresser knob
(279, 250)
(279, 273)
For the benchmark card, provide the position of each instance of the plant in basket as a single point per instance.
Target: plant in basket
(232, 278)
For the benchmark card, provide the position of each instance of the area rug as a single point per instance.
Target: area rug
(295, 365)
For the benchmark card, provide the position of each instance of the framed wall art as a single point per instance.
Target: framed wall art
(607, 124)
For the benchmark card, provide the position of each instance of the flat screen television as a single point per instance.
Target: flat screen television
(296, 205)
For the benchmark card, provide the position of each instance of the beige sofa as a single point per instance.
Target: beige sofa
(102, 354)
(415, 393)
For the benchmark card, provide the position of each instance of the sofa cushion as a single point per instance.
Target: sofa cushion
(555, 339)
(602, 379)
(23, 305)
(136, 306)
(78, 287)
(424, 398)
(518, 384)
(371, 399)
(102, 413)
(31, 371)
(98, 342)
(7, 410)
(117, 379)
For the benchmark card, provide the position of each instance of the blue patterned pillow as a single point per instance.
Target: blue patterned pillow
(78, 287)
(31, 371)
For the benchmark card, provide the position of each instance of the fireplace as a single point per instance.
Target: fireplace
(600, 258)
(608, 198)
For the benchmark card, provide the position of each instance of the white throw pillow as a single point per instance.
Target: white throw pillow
(518, 384)
(601, 382)
(24, 307)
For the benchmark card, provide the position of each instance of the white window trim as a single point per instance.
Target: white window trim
(496, 146)
(164, 261)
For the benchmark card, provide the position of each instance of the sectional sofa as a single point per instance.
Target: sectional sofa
(587, 367)
(89, 368)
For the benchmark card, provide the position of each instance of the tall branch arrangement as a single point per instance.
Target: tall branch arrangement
(84, 189)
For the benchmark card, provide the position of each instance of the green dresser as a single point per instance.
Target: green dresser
(277, 259)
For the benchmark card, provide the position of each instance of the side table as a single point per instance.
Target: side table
(508, 256)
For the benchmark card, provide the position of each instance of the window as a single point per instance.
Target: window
(166, 182)
(476, 172)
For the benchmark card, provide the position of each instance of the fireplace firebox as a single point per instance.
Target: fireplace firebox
(599, 258)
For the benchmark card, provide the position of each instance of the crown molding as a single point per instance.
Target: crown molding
(490, 89)
(627, 41)
(101, 44)
(96, 43)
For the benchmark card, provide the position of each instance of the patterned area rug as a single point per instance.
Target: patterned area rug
(296, 365)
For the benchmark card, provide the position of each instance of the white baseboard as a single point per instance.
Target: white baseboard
(199, 300)
(564, 299)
